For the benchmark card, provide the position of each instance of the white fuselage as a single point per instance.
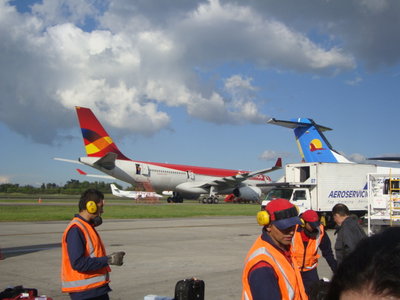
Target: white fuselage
(160, 177)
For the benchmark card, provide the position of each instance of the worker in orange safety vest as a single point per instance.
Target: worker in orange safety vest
(84, 263)
(270, 272)
(310, 236)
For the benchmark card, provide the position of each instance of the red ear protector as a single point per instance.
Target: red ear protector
(91, 207)
(264, 218)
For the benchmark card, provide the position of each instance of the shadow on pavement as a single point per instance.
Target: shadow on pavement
(16, 251)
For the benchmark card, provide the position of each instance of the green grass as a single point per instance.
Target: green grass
(38, 212)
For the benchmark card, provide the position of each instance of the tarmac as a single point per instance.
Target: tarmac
(159, 252)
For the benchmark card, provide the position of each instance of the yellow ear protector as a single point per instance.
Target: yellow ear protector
(91, 207)
(264, 218)
(303, 223)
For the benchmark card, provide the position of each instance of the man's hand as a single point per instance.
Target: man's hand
(116, 258)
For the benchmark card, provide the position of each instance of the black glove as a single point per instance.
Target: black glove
(116, 258)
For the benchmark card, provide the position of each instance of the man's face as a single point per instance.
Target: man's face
(282, 238)
(309, 227)
(338, 219)
(100, 207)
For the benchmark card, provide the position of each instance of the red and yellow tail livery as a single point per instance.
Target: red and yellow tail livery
(96, 140)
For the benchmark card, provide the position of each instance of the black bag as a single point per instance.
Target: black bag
(319, 290)
(11, 293)
(189, 289)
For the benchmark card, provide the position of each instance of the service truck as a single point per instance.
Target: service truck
(383, 201)
(319, 186)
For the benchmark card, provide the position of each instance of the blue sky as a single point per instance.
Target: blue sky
(194, 82)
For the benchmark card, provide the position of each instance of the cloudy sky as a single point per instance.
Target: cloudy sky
(194, 82)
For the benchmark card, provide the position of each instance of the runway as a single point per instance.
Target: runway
(159, 253)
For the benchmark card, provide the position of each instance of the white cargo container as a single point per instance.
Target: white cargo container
(319, 186)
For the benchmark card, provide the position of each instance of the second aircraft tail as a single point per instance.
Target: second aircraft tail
(312, 143)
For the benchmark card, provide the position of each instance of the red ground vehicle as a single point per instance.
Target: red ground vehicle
(231, 198)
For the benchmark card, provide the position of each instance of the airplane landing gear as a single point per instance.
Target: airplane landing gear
(210, 199)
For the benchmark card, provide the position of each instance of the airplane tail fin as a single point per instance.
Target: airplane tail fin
(114, 190)
(96, 140)
(312, 143)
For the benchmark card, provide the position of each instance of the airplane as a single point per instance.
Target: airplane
(386, 158)
(184, 181)
(312, 143)
(120, 193)
(132, 194)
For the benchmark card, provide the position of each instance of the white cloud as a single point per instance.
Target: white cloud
(355, 81)
(144, 56)
(273, 155)
(218, 32)
(65, 11)
(357, 157)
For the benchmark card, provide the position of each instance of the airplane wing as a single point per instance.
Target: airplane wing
(68, 160)
(386, 158)
(236, 179)
(94, 175)
(287, 184)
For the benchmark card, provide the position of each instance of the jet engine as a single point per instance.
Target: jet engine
(248, 193)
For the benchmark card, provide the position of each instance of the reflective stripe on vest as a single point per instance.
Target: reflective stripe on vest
(79, 283)
(245, 296)
(263, 251)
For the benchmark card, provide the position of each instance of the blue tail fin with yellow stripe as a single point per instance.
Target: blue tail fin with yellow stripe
(312, 143)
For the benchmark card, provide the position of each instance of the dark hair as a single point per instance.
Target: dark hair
(90, 195)
(341, 209)
(373, 266)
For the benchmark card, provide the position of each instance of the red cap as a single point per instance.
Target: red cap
(311, 216)
(283, 214)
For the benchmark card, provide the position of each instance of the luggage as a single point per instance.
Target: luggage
(19, 292)
(319, 290)
(189, 289)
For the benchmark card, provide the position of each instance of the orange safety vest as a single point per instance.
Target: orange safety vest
(306, 258)
(289, 278)
(73, 280)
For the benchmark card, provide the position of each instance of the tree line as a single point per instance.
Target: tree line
(72, 187)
